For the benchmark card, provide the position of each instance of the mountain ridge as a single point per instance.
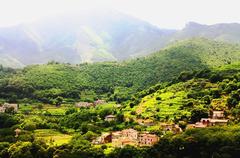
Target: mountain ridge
(94, 37)
(97, 37)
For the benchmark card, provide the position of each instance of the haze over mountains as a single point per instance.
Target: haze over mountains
(93, 37)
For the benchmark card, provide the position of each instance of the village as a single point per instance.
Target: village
(127, 137)
(131, 136)
(136, 138)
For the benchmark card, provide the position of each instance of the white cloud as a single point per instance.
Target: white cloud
(164, 13)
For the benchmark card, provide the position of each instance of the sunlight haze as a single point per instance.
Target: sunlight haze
(163, 13)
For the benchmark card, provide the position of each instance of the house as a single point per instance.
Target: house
(84, 104)
(7, 106)
(167, 126)
(17, 131)
(199, 125)
(2, 109)
(218, 122)
(146, 139)
(127, 141)
(130, 133)
(177, 129)
(171, 127)
(116, 136)
(216, 118)
(110, 118)
(217, 115)
(207, 122)
(103, 139)
(99, 102)
(125, 137)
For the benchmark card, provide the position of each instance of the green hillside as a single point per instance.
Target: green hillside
(118, 79)
(192, 99)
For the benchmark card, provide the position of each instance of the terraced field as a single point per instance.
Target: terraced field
(163, 103)
(52, 137)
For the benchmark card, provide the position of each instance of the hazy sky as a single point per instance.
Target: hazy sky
(163, 13)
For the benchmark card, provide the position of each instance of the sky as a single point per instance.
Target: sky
(172, 14)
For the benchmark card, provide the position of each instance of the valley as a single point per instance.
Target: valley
(140, 107)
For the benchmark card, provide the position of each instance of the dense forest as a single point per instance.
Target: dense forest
(115, 80)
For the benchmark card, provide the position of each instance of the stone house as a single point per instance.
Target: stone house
(167, 126)
(171, 127)
(146, 139)
(130, 133)
(2, 109)
(84, 104)
(8, 105)
(103, 139)
(99, 102)
(216, 118)
(213, 122)
(198, 125)
(207, 122)
(127, 141)
(116, 135)
(217, 114)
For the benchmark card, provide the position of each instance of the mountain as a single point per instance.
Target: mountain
(96, 36)
(89, 37)
(119, 79)
(227, 32)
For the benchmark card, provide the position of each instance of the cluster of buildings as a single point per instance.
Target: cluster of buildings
(127, 137)
(87, 104)
(6, 106)
(216, 118)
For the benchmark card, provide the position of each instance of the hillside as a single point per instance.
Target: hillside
(119, 79)
(191, 99)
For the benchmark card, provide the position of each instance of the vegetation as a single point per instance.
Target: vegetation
(180, 85)
(115, 80)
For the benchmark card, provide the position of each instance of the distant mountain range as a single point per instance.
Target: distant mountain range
(227, 32)
(93, 37)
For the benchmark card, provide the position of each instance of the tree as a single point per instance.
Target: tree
(59, 101)
(7, 120)
(20, 150)
(10, 110)
(197, 113)
(206, 99)
(185, 75)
